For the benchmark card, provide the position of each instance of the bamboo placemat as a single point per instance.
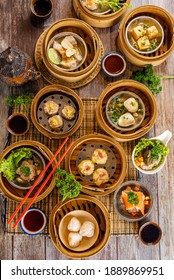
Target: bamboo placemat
(89, 125)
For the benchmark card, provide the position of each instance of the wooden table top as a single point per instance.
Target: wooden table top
(17, 31)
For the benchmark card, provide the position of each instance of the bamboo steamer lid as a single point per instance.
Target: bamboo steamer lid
(97, 20)
(111, 147)
(86, 203)
(18, 194)
(65, 91)
(158, 57)
(93, 45)
(150, 109)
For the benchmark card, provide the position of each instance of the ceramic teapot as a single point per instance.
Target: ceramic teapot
(16, 67)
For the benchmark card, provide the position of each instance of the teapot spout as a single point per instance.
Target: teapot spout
(164, 137)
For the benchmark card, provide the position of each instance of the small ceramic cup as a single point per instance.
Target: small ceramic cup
(33, 222)
(41, 9)
(18, 124)
(113, 64)
(150, 233)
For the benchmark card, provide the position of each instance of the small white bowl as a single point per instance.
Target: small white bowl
(154, 22)
(116, 62)
(33, 222)
(164, 138)
(81, 45)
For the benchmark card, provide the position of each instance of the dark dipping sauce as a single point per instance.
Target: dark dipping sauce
(150, 234)
(18, 124)
(42, 8)
(33, 220)
(114, 64)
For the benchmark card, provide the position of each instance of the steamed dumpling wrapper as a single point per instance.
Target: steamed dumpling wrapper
(126, 120)
(74, 225)
(74, 239)
(87, 229)
(131, 105)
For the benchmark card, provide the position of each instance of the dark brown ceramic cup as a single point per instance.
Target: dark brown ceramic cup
(18, 124)
(41, 9)
(150, 233)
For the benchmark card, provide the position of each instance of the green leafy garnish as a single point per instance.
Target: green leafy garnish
(23, 99)
(8, 166)
(67, 184)
(25, 170)
(133, 198)
(156, 148)
(117, 109)
(149, 78)
(114, 5)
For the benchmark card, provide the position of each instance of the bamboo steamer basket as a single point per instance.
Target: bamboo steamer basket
(18, 194)
(106, 142)
(92, 40)
(43, 93)
(150, 110)
(98, 20)
(86, 203)
(158, 57)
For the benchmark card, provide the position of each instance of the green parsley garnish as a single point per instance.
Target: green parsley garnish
(149, 78)
(133, 198)
(67, 184)
(114, 5)
(25, 170)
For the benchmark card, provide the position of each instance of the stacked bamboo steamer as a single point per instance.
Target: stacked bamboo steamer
(94, 49)
(150, 110)
(158, 57)
(99, 20)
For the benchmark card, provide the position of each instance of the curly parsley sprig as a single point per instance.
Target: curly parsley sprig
(67, 184)
(149, 78)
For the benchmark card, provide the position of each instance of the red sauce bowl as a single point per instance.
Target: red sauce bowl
(113, 64)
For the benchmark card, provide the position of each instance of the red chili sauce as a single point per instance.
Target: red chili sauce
(114, 64)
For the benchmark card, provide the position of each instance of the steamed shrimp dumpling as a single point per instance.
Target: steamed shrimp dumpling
(87, 229)
(74, 225)
(126, 120)
(131, 105)
(74, 239)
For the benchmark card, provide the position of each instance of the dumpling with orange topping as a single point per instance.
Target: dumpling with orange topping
(99, 156)
(86, 167)
(55, 122)
(68, 112)
(51, 108)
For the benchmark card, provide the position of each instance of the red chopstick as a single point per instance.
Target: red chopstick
(37, 180)
(43, 185)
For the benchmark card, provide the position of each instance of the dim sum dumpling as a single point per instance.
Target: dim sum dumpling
(99, 156)
(126, 120)
(87, 229)
(86, 167)
(74, 225)
(74, 239)
(100, 176)
(51, 108)
(131, 105)
(55, 122)
(68, 112)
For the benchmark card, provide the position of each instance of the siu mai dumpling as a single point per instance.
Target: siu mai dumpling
(100, 176)
(90, 4)
(87, 229)
(74, 239)
(51, 108)
(99, 156)
(126, 120)
(68, 112)
(131, 105)
(86, 167)
(74, 225)
(56, 122)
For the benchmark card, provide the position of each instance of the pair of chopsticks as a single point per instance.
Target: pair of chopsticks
(42, 185)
